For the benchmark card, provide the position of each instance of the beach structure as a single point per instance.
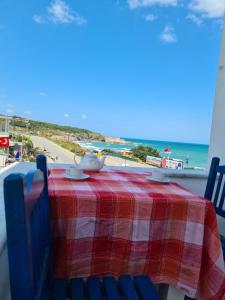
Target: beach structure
(4, 139)
(4, 125)
(165, 163)
(176, 164)
(154, 161)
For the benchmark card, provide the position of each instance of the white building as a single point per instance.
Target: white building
(4, 125)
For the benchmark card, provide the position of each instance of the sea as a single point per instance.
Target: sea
(193, 155)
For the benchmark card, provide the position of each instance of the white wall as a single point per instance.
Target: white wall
(217, 140)
(4, 275)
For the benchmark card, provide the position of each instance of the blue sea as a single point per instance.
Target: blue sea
(193, 155)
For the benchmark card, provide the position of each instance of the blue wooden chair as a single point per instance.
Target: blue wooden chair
(29, 249)
(215, 191)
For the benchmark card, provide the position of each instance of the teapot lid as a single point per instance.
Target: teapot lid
(91, 155)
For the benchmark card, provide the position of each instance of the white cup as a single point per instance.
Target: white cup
(158, 174)
(75, 172)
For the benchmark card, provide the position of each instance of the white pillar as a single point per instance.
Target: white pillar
(217, 139)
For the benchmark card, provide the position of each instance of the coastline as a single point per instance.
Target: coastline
(194, 156)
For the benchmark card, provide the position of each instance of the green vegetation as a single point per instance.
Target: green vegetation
(72, 147)
(137, 154)
(29, 152)
(50, 129)
(142, 152)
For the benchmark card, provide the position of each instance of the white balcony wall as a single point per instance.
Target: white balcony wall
(217, 140)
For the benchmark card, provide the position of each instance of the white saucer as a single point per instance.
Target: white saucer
(82, 177)
(161, 180)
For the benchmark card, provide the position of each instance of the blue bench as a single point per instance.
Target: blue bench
(29, 249)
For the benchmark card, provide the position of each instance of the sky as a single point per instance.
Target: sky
(129, 68)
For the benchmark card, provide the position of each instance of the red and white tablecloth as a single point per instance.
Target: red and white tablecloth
(121, 223)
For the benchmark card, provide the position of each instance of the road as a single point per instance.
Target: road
(53, 151)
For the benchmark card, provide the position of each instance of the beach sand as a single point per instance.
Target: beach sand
(117, 161)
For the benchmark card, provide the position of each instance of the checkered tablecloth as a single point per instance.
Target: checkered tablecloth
(121, 223)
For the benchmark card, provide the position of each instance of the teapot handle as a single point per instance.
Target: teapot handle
(74, 159)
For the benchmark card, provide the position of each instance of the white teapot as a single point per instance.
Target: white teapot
(90, 162)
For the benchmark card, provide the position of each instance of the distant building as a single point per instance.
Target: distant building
(20, 119)
(174, 164)
(4, 125)
(4, 132)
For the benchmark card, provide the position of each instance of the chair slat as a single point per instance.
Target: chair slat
(222, 199)
(59, 289)
(128, 288)
(19, 256)
(145, 288)
(222, 238)
(211, 178)
(42, 286)
(216, 170)
(77, 289)
(218, 189)
(94, 289)
(111, 288)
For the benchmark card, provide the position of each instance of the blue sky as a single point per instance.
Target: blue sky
(131, 68)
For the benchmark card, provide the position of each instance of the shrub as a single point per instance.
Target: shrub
(72, 147)
(109, 151)
(143, 151)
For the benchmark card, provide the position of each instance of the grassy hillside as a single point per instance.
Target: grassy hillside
(54, 130)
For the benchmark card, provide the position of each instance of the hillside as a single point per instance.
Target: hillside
(53, 130)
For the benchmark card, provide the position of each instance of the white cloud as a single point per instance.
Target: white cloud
(147, 3)
(27, 112)
(60, 12)
(194, 19)
(38, 19)
(66, 115)
(9, 111)
(209, 8)
(168, 35)
(43, 94)
(84, 116)
(9, 105)
(151, 18)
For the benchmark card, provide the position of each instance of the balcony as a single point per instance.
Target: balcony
(192, 180)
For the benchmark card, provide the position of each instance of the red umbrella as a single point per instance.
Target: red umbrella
(167, 150)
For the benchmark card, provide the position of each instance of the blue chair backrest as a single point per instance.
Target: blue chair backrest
(28, 233)
(215, 189)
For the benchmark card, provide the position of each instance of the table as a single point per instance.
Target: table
(118, 222)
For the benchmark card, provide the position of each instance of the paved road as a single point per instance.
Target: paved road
(53, 150)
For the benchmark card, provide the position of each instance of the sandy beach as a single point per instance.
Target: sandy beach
(117, 161)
